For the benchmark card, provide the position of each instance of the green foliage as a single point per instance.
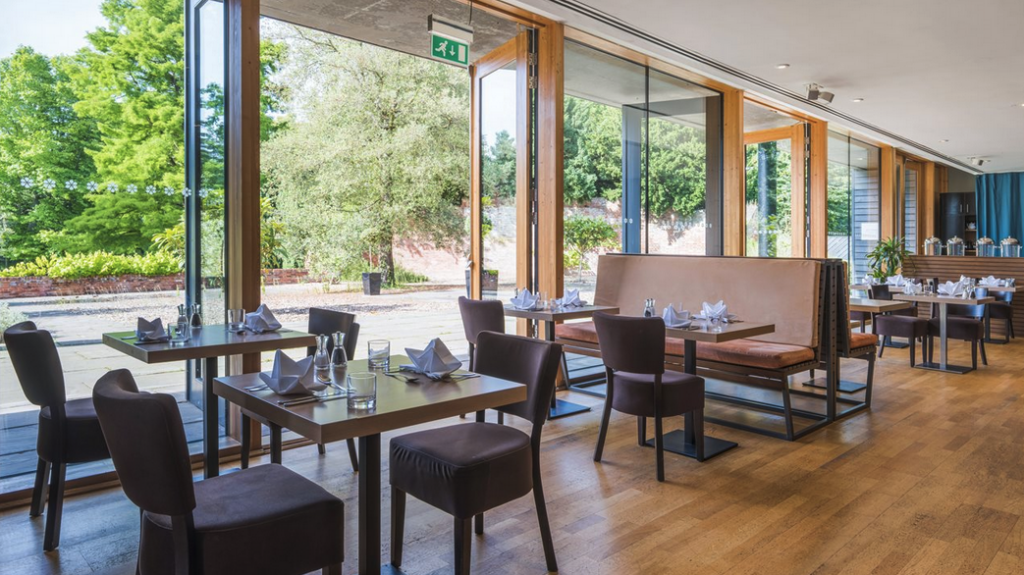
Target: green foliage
(499, 168)
(96, 264)
(9, 317)
(41, 138)
(887, 258)
(768, 189)
(583, 235)
(376, 152)
(839, 199)
(593, 151)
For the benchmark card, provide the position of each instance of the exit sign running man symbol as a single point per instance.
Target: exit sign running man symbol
(449, 50)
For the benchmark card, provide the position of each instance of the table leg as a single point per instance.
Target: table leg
(943, 364)
(683, 442)
(211, 417)
(275, 444)
(369, 505)
(560, 407)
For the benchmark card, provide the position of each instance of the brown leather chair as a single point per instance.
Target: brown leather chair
(69, 431)
(633, 350)
(321, 322)
(268, 519)
(963, 322)
(470, 468)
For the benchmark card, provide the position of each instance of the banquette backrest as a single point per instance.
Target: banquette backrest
(783, 291)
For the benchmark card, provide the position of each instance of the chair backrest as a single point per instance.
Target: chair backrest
(37, 364)
(881, 292)
(479, 315)
(147, 443)
(327, 321)
(532, 362)
(633, 344)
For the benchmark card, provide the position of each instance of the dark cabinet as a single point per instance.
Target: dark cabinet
(958, 216)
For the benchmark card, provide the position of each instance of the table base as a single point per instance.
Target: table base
(897, 345)
(675, 441)
(933, 366)
(844, 386)
(563, 408)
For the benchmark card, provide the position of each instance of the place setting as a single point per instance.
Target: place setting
(434, 362)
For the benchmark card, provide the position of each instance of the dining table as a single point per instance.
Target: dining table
(207, 344)
(550, 316)
(403, 399)
(683, 442)
(943, 301)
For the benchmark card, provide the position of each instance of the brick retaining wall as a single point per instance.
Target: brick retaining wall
(12, 288)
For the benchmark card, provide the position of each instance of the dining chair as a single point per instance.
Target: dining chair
(267, 519)
(633, 350)
(480, 315)
(321, 322)
(69, 431)
(964, 323)
(471, 468)
(1002, 309)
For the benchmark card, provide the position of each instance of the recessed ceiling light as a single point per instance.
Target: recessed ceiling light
(782, 66)
(857, 100)
(943, 141)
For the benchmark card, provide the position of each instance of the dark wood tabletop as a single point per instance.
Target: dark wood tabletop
(209, 341)
(559, 314)
(399, 404)
(730, 331)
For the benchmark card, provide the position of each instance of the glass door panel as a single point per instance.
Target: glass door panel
(775, 221)
(911, 174)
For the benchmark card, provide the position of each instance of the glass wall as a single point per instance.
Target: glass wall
(637, 175)
(499, 171)
(854, 201)
(908, 201)
(771, 182)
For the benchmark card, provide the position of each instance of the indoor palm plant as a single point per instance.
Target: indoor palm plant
(888, 258)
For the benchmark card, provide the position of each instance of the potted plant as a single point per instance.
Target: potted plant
(888, 258)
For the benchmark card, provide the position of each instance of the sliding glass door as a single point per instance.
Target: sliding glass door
(854, 201)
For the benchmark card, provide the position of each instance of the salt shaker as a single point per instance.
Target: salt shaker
(197, 319)
(649, 307)
(339, 361)
(322, 361)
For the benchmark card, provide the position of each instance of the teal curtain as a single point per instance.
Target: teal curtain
(1000, 199)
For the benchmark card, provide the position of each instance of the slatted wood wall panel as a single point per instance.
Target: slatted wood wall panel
(950, 268)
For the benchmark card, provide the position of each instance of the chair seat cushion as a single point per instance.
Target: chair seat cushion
(266, 519)
(633, 393)
(963, 328)
(755, 353)
(901, 326)
(858, 340)
(463, 469)
(84, 437)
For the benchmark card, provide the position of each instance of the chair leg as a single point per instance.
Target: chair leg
(332, 569)
(641, 431)
(881, 347)
(39, 490)
(984, 356)
(51, 538)
(974, 354)
(478, 523)
(698, 432)
(501, 418)
(870, 380)
(659, 446)
(542, 518)
(397, 525)
(463, 543)
(603, 432)
(353, 455)
(788, 408)
(321, 449)
(913, 351)
(246, 440)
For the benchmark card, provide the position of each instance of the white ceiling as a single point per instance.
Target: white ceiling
(928, 70)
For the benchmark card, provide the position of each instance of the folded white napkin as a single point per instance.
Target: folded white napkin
(290, 377)
(991, 281)
(675, 318)
(435, 361)
(261, 320)
(714, 311)
(524, 300)
(951, 288)
(897, 280)
(571, 299)
(151, 331)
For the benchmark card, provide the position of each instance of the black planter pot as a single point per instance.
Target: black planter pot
(371, 283)
(488, 281)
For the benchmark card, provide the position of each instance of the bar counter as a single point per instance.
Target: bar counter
(950, 268)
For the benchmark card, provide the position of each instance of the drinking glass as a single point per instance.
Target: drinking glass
(380, 354)
(542, 300)
(362, 390)
(236, 319)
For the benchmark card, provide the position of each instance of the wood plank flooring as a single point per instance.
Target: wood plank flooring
(930, 481)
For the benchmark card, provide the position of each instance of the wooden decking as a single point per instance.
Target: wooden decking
(930, 481)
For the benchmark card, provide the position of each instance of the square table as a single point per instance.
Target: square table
(208, 343)
(399, 404)
(943, 302)
(683, 442)
(560, 407)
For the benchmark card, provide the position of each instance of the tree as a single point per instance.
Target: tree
(584, 235)
(376, 153)
(44, 167)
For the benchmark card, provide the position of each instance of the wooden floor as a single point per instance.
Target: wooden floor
(930, 481)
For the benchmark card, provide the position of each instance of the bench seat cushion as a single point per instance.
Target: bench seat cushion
(748, 352)
(858, 340)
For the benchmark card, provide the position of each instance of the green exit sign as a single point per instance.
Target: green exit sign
(449, 50)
